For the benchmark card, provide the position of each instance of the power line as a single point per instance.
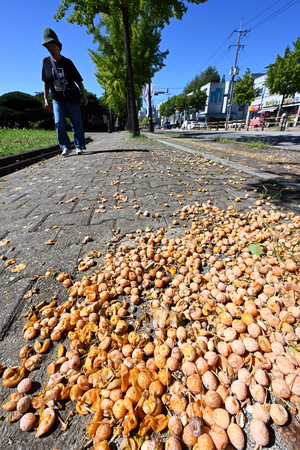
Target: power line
(292, 3)
(276, 13)
(214, 54)
(263, 12)
(258, 24)
(169, 88)
(222, 56)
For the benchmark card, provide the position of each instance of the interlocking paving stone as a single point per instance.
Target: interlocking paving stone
(112, 163)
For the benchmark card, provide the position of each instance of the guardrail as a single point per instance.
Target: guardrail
(280, 124)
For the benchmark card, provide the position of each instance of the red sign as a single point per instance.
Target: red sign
(255, 107)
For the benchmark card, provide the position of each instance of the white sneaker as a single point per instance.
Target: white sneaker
(66, 151)
(79, 151)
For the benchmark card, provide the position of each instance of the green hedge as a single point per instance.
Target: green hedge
(19, 101)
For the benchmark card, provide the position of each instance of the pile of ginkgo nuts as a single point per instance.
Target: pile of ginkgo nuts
(218, 332)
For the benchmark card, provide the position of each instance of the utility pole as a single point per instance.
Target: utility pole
(234, 71)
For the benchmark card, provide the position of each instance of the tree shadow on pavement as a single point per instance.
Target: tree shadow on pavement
(117, 150)
(278, 195)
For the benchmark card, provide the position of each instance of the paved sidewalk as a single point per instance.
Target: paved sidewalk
(119, 185)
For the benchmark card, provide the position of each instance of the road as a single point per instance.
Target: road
(281, 164)
(282, 139)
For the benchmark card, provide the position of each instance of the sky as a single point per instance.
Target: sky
(200, 39)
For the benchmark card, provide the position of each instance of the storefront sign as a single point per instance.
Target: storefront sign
(255, 107)
(271, 103)
(292, 100)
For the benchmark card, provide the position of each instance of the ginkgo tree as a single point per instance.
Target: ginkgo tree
(109, 58)
(109, 61)
(84, 12)
(182, 102)
(210, 75)
(283, 76)
(244, 90)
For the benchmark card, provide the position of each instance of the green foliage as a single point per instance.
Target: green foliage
(94, 107)
(22, 108)
(7, 114)
(144, 121)
(85, 11)
(19, 101)
(167, 109)
(210, 75)
(244, 91)
(110, 63)
(47, 124)
(197, 100)
(181, 102)
(283, 77)
(156, 13)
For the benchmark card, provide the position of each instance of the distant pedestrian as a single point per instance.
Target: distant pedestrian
(60, 75)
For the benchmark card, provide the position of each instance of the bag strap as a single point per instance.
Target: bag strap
(55, 70)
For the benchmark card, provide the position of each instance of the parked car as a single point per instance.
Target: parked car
(185, 125)
(237, 124)
(194, 125)
(167, 125)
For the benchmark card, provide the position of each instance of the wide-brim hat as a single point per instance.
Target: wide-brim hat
(50, 36)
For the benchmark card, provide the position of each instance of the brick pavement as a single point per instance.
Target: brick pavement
(281, 162)
(114, 175)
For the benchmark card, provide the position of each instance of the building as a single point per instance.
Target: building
(217, 103)
(142, 113)
(215, 110)
(267, 107)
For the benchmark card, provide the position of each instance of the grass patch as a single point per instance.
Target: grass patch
(14, 140)
(254, 143)
(139, 136)
(168, 134)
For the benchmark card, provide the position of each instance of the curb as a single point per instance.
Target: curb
(255, 172)
(12, 163)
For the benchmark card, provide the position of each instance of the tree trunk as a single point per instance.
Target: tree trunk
(280, 107)
(150, 124)
(130, 81)
(127, 119)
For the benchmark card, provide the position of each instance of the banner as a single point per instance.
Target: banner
(146, 92)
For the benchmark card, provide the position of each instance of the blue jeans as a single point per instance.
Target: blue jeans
(61, 111)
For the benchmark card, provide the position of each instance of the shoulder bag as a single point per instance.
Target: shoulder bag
(71, 94)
